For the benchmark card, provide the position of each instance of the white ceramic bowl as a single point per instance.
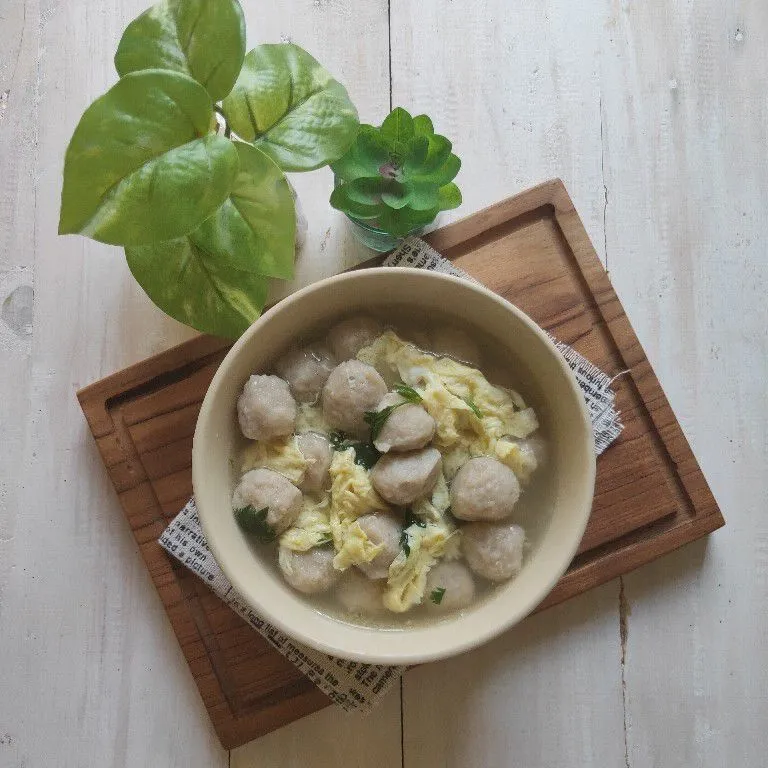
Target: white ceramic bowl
(560, 405)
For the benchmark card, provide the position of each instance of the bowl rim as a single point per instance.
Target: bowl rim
(485, 633)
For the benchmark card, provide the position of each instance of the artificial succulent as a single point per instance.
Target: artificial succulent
(398, 177)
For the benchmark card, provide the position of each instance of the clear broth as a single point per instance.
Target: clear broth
(532, 511)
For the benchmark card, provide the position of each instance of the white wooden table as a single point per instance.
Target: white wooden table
(655, 114)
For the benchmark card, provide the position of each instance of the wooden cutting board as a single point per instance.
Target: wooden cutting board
(650, 496)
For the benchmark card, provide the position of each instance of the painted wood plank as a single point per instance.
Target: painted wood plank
(517, 90)
(96, 675)
(685, 115)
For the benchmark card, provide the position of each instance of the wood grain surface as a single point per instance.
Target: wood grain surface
(654, 114)
(650, 496)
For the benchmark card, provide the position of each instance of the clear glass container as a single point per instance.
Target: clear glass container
(373, 238)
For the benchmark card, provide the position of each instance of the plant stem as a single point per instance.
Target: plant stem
(220, 111)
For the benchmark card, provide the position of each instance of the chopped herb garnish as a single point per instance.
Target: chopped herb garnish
(436, 596)
(409, 394)
(471, 403)
(254, 521)
(337, 440)
(404, 543)
(376, 419)
(366, 454)
(410, 519)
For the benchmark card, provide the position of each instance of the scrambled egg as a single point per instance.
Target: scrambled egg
(408, 572)
(312, 528)
(473, 417)
(281, 455)
(356, 548)
(433, 509)
(352, 495)
(309, 418)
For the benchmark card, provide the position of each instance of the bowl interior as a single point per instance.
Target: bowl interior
(559, 402)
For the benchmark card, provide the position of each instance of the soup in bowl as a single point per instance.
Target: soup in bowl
(393, 465)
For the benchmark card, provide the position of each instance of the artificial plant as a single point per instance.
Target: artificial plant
(182, 161)
(397, 177)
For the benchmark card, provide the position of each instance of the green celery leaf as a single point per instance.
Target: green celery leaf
(254, 521)
(255, 229)
(408, 393)
(141, 165)
(422, 126)
(291, 108)
(449, 197)
(436, 595)
(194, 286)
(365, 157)
(397, 127)
(201, 38)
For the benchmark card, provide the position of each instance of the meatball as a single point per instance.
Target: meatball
(401, 478)
(493, 550)
(407, 427)
(456, 343)
(484, 489)
(262, 488)
(306, 370)
(352, 389)
(266, 408)
(349, 336)
(457, 583)
(359, 594)
(316, 449)
(385, 530)
(309, 572)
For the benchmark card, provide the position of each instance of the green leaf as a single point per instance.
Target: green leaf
(397, 126)
(197, 287)
(417, 150)
(438, 151)
(471, 403)
(341, 201)
(436, 595)
(254, 521)
(364, 158)
(140, 167)
(291, 108)
(406, 220)
(376, 419)
(422, 126)
(447, 171)
(408, 394)
(204, 39)
(424, 195)
(368, 190)
(255, 229)
(449, 197)
(366, 454)
(395, 195)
